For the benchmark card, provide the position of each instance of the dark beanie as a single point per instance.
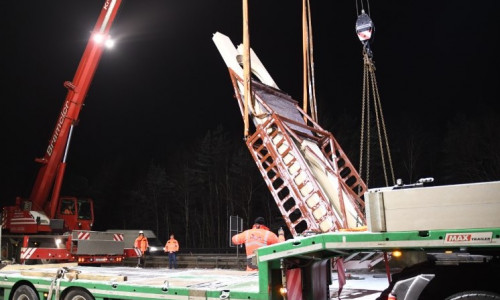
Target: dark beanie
(260, 220)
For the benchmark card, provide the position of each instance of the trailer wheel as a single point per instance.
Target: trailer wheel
(78, 295)
(48, 261)
(25, 292)
(474, 295)
(30, 262)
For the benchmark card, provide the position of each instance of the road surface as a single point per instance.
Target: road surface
(360, 286)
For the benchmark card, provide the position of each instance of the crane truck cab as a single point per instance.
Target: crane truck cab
(77, 213)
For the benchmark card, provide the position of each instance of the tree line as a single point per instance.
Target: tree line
(192, 190)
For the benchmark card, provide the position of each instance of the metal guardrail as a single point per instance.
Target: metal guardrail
(221, 261)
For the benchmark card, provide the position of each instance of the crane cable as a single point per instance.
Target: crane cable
(364, 30)
(359, 11)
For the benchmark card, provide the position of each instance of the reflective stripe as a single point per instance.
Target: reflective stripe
(254, 242)
(265, 237)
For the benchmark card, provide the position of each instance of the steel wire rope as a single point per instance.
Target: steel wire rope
(358, 11)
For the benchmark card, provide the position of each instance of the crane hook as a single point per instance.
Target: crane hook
(365, 30)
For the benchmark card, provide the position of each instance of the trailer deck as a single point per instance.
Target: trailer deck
(307, 257)
(133, 283)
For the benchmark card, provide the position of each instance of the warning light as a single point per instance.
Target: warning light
(283, 291)
(397, 253)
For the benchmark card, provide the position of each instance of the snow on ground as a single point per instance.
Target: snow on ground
(360, 286)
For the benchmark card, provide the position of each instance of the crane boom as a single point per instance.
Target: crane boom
(52, 162)
(48, 227)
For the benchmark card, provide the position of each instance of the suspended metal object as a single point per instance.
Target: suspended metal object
(365, 30)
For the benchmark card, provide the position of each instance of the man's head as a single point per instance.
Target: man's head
(260, 221)
(141, 232)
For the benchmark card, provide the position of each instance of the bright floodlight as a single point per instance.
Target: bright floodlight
(98, 38)
(102, 39)
(109, 43)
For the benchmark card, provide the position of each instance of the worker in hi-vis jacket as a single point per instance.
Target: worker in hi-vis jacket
(259, 235)
(171, 247)
(141, 242)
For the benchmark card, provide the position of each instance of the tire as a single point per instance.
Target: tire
(92, 265)
(78, 294)
(48, 261)
(25, 292)
(474, 295)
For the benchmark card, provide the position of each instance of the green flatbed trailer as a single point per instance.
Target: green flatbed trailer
(309, 259)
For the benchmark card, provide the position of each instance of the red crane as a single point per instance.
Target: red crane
(45, 211)
(53, 163)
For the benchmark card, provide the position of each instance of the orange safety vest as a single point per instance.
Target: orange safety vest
(141, 242)
(172, 245)
(254, 238)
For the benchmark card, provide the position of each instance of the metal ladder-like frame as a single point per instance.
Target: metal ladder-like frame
(276, 146)
(290, 181)
(301, 200)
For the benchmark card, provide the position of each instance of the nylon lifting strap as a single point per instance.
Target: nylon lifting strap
(309, 89)
(55, 284)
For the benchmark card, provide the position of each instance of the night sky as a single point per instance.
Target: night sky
(165, 81)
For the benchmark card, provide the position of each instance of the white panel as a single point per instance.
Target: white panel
(462, 206)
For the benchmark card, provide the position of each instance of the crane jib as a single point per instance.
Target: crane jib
(109, 6)
(57, 131)
(52, 171)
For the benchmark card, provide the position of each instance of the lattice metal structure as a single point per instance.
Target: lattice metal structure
(314, 184)
(311, 179)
